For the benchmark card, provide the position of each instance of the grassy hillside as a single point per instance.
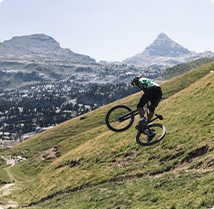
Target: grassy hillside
(81, 164)
(182, 68)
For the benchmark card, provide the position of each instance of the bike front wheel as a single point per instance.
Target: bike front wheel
(119, 118)
(151, 135)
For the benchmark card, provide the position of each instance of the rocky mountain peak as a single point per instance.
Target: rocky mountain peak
(33, 44)
(164, 46)
(36, 40)
(164, 53)
(39, 45)
(163, 36)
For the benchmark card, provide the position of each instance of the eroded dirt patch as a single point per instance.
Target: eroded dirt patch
(196, 153)
(5, 191)
(50, 153)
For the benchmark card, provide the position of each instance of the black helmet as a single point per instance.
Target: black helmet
(135, 80)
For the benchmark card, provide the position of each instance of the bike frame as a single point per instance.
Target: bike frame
(135, 112)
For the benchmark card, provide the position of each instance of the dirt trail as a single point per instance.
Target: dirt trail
(5, 191)
(8, 188)
(11, 176)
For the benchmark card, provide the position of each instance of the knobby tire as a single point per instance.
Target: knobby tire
(119, 118)
(143, 139)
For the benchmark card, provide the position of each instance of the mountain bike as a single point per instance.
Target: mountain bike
(121, 117)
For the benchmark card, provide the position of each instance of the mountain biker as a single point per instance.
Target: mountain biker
(152, 92)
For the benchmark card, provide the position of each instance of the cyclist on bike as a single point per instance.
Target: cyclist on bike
(152, 93)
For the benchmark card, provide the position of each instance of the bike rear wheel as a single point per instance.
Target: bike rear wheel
(151, 135)
(119, 118)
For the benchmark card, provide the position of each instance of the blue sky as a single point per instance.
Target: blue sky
(111, 30)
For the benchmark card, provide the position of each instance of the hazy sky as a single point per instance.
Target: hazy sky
(111, 30)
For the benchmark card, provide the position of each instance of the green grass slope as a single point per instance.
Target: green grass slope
(182, 68)
(81, 164)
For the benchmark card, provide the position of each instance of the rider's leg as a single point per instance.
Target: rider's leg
(143, 100)
(151, 114)
(155, 100)
(142, 122)
(141, 112)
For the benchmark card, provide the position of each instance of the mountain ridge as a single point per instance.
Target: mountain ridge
(162, 52)
(39, 45)
(166, 53)
(164, 46)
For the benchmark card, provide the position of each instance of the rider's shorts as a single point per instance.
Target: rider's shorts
(154, 95)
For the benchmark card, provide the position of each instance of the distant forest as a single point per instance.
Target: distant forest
(48, 105)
